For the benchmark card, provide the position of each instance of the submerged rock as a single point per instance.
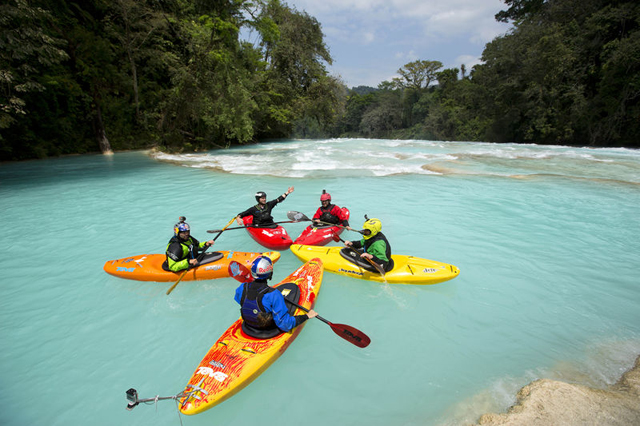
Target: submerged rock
(550, 402)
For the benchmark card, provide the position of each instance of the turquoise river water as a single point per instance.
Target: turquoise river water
(547, 240)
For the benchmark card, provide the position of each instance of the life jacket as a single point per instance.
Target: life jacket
(262, 216)
(251, 309)
(185, 249)
(327, 216)
(380, 236)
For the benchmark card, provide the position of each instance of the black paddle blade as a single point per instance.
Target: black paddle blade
(297, 216)
(351, 334)
(239, 272)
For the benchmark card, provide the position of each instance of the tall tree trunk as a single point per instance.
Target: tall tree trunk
(98, 126)
(134, 77)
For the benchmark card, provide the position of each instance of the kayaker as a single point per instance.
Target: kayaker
(262, 307)
(261, 212)
(375, 244)
(183, 249)
(329, 213)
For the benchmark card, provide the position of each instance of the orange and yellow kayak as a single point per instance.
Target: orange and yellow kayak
(236, 358)
(148, 267)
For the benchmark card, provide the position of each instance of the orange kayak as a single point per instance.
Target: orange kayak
(148, 267)
(236, 358)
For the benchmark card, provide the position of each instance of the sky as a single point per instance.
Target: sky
(369, 40)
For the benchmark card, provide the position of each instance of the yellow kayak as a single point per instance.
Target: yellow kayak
(236, 358)
(406, 269)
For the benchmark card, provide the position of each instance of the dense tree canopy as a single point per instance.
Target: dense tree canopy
(96, 75)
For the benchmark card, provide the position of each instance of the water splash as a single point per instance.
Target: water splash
(378, 158)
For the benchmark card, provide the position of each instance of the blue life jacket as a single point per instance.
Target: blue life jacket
(252, 311)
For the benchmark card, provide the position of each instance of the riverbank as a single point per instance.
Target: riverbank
(549, 402)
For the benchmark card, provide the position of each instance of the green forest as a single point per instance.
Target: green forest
(177, 75)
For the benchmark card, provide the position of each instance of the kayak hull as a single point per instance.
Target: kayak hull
(275, 238)
(148, 267)
(320, 235)
(406, 270)
(236, 359)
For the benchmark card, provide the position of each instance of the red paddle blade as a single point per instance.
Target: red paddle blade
(351, 334)
(336, 238)
(239, 272)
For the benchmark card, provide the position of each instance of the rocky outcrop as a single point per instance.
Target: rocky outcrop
(549, 402)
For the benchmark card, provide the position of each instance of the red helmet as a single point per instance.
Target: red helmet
(325, 196)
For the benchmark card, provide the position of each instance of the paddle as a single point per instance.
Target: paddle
(199, 257)
(213, 231)
(301, 217)
(337, 238)
(352, 335)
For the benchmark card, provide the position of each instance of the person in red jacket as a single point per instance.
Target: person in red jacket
(329, 213)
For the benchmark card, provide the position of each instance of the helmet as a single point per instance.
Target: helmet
(181, 226)
(325, 196)
(373, 226)
(260, 194)
(262, 268)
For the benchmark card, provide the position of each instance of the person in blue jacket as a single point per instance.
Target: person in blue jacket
(263, 307)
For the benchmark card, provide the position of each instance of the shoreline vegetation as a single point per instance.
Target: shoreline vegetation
(548, 402)
(111, 76)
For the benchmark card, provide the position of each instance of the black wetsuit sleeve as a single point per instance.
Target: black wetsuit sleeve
(356, 244)
(247, 212)
(271, 204)
(300, 319)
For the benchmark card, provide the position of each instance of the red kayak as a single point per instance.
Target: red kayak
(320, 235)
(274, 237)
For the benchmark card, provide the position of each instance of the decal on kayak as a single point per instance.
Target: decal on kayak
(267, 233)
(429, 270)
(348, 271)
(217, 364)
(310, 282)
(123, 269)
(212, 268)
(208, 371)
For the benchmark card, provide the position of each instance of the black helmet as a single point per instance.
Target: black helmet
(260, 194)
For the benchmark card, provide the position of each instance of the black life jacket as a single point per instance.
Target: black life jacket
(262, 216)
(326, 215)
(380, 236)
(175, 248)
(251, 308)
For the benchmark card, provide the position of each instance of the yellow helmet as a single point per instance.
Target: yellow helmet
(373, 226)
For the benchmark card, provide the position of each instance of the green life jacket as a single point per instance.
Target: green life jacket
(179, 252)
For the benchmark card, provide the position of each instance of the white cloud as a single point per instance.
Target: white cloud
(438, 18)
(409, 56)
(371, 39)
